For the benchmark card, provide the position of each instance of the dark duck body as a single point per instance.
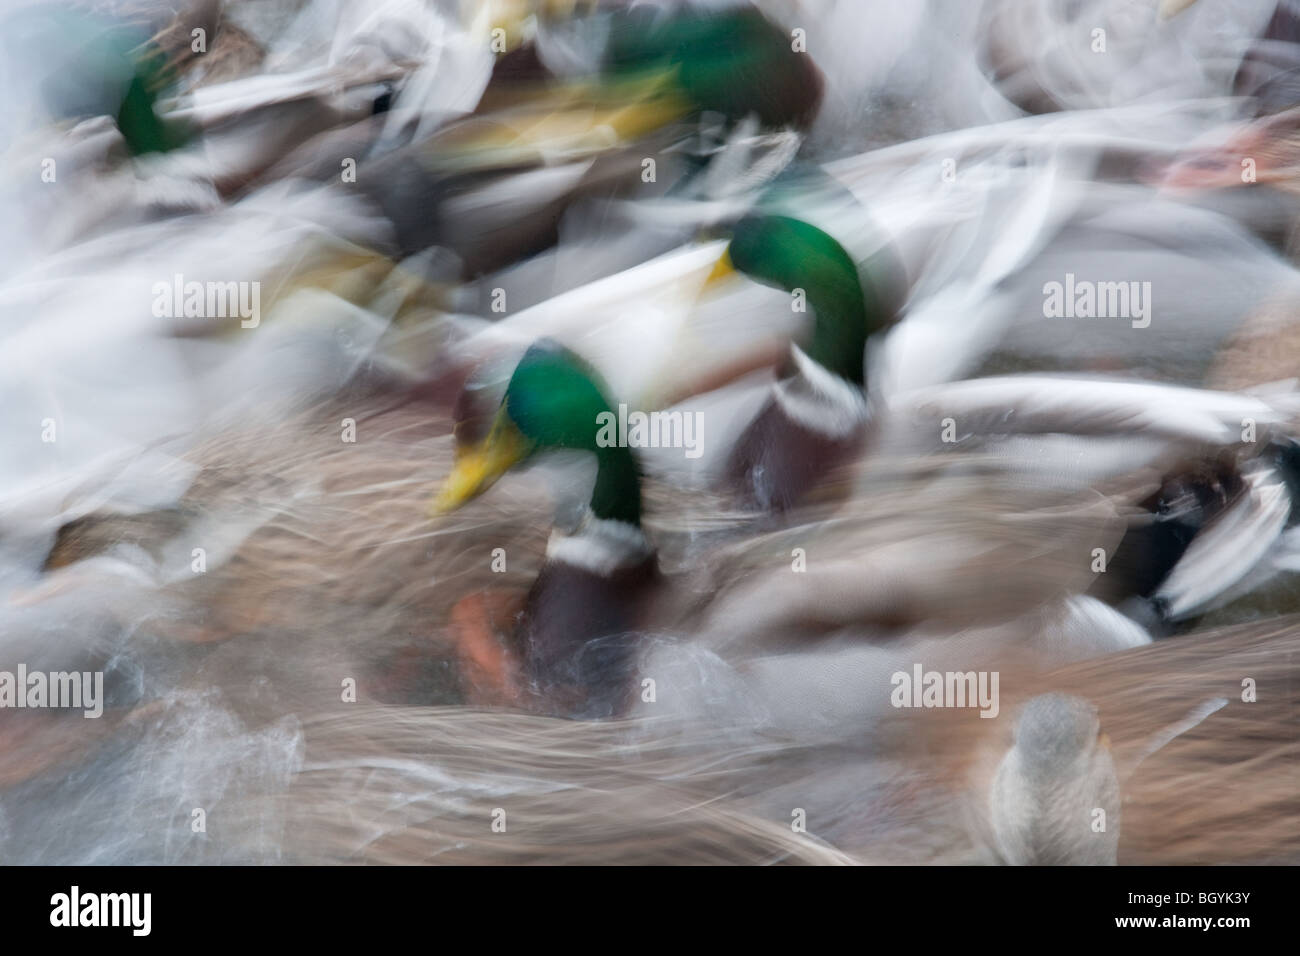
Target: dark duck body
(577, 634)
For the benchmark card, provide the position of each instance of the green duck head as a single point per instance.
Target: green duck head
(554, 401)
(97, 65)
(790, 254)
(734, 62)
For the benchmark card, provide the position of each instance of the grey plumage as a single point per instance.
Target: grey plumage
(1051, 784)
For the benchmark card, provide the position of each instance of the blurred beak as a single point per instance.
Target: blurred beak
(1169, 9)
(479, 466)
(1103, 740)
(723, 270)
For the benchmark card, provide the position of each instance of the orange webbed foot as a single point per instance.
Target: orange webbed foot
(480, 625)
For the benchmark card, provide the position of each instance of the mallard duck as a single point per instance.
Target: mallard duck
(596, 577)
(816, 414)
(491, 186)
(70, 60)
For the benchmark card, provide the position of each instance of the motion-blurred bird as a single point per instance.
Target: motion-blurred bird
(492, 186)
(572, 639)
(1055, 798)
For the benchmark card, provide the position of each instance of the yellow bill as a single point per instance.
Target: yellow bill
(1168, 9)
(479, 466)
(723, 269)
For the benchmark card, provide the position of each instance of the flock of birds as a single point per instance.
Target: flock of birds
(367, 584)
